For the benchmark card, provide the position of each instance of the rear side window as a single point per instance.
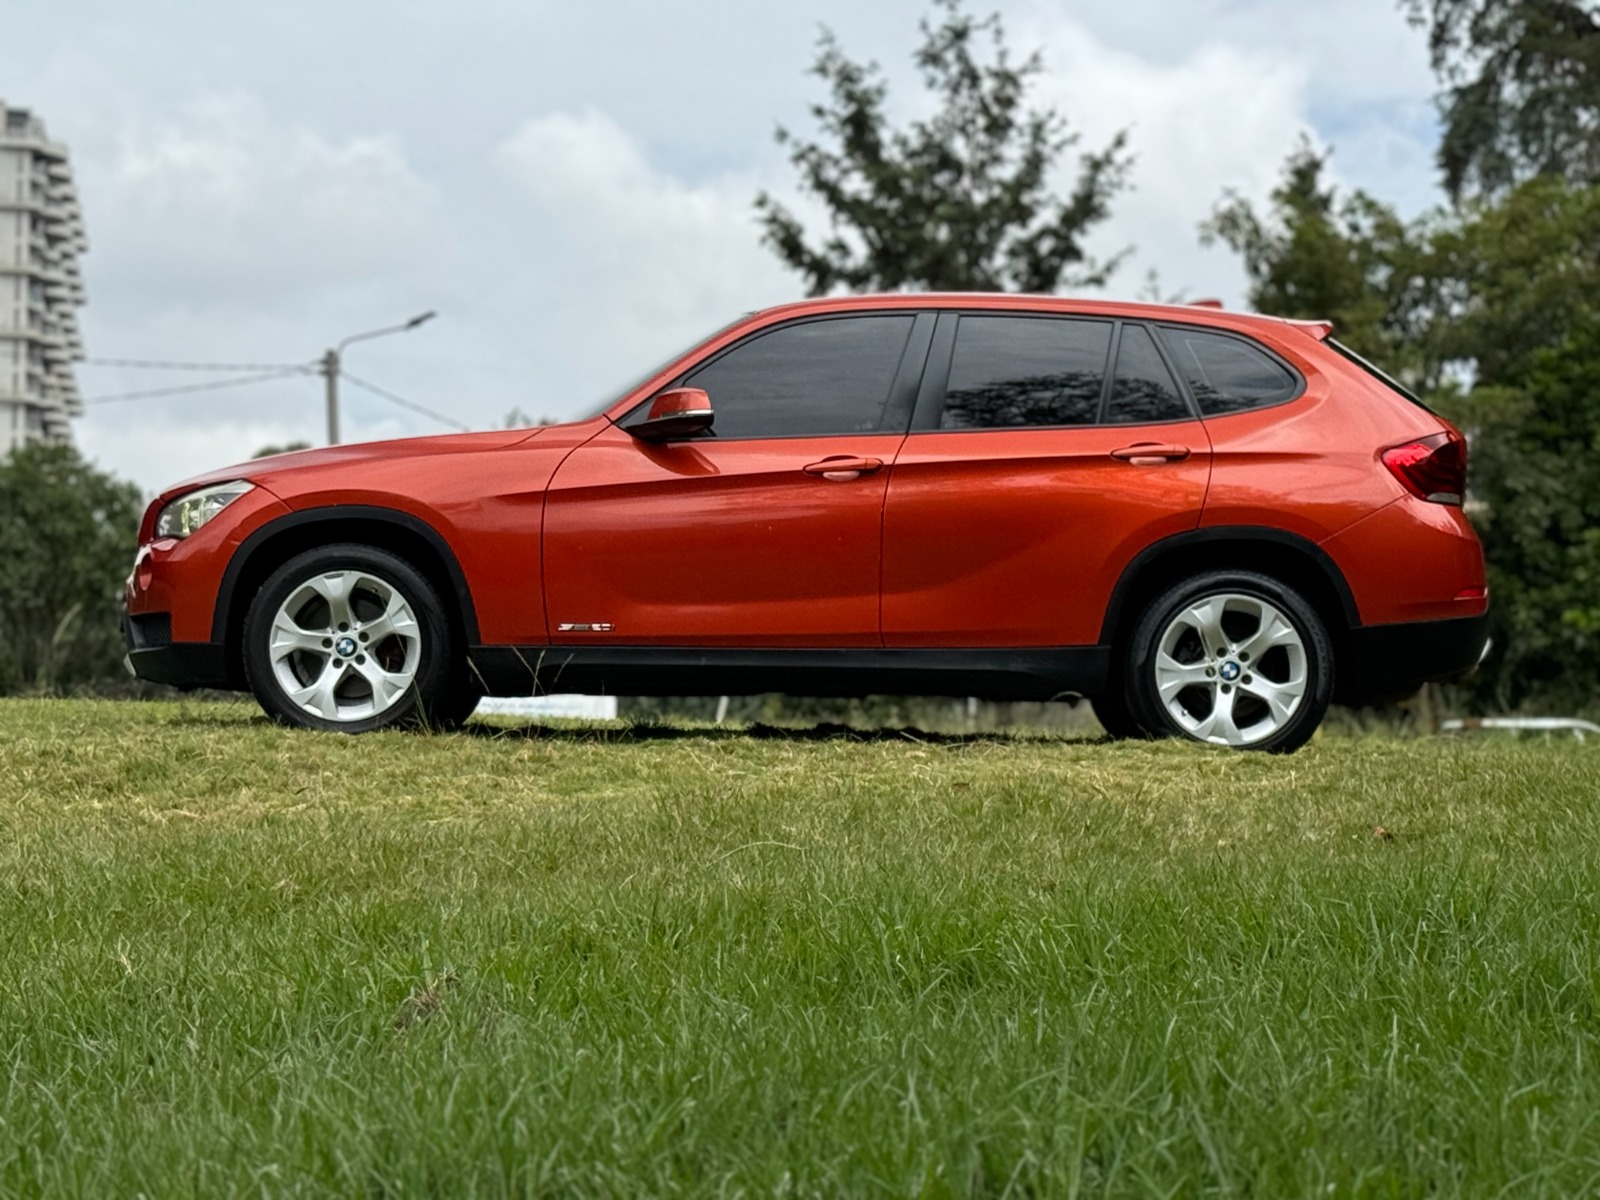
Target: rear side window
(1019, 371)
(1228, 374)
(1143, 391)
(808, 380)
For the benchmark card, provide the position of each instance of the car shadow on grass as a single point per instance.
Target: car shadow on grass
(658, 731)
(653, 731)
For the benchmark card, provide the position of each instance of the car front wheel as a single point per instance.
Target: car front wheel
(1233, 658)
(351, 638)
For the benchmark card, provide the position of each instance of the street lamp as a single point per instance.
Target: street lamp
(331, 366)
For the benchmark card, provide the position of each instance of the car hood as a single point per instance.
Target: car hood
(264, 471)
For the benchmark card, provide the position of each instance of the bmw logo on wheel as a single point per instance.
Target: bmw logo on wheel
(1231, 671)
(345, 646)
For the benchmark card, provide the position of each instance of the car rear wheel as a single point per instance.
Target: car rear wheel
(351, 638)
(1232, 658)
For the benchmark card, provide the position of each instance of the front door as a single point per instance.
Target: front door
(767, 532)
(1049, 453)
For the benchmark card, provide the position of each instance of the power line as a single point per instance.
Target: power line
(217, 385)
(167, 365)
(403, 402)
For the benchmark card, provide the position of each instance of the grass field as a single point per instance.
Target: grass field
(240, 960)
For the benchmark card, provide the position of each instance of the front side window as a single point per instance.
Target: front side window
(1228, 374)
(813, 379)
(1007, 372)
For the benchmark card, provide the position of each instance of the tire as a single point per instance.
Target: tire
(1264, 685)
(350, 638)
(453, 712)
(1111, 710)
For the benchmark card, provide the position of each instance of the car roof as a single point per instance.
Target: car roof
(1205, 313)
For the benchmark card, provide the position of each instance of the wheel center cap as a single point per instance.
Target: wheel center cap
(1230, 671)
(346, 646)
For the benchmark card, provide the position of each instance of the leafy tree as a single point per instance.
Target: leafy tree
(1349, 259)
(959, 201)
(1535, 477)
(1530, 329)
(1522, 90)
(1493, 314)
(286, 448)
(67, 534)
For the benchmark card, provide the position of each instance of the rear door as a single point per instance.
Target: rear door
(1046, 452)
(767, 532)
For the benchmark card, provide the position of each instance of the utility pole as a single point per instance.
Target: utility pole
(330, 374)
(332, 365)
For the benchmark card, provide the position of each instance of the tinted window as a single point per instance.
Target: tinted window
(1009, 371)
(817, 378)
(1228, 374)
(1142, 391)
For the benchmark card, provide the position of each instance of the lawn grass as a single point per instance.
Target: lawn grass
(236, 959)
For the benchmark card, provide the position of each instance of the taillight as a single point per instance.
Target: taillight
(1434, 468)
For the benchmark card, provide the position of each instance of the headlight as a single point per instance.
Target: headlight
(187, 513)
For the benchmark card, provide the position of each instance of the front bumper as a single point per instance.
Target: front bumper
(1394, 660)
(153, 656)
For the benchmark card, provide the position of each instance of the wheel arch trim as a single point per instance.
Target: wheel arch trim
(1117, 618)
(223, 617)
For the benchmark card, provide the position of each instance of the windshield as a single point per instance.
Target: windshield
(640, 380)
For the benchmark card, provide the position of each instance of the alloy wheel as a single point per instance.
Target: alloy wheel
(1231, 668)
(345, 646)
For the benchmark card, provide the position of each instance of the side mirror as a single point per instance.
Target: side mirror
(678, 413)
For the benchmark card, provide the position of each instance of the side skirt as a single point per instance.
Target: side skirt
(991, 674)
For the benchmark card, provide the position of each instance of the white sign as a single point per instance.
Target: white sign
(584, 708)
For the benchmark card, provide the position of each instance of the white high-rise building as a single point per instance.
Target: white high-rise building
(41, 236)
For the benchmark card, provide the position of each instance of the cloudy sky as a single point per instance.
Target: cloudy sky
(570, 185)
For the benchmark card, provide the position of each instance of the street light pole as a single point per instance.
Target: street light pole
(332, 365)
(330, 375)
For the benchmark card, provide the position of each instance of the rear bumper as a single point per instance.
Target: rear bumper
(1393, 660)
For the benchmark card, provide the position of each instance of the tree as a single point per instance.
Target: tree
(1530, 329)
(1522, 90)
(67, 534)
(1491, 314)
(960, 201)
(286, 448)
(1349, 259)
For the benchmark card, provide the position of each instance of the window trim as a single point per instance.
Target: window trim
(1301, 384)
(936, 379)
(1378, 373)
(903, 386)
(1194, 413)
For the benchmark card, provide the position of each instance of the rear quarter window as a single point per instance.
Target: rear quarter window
(1228, 374)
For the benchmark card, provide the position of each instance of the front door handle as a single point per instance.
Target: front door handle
(842, 468)
(1151, 454)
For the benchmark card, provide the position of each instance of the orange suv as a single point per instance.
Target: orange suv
(1210, 524)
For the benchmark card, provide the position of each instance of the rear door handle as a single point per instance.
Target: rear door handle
(1151, 454)
(842, 468)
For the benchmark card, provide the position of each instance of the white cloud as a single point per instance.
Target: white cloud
(1221, 117)
(1355, 52)
(641, 258)
(130, 444)
(220, 233)
(222, 201)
